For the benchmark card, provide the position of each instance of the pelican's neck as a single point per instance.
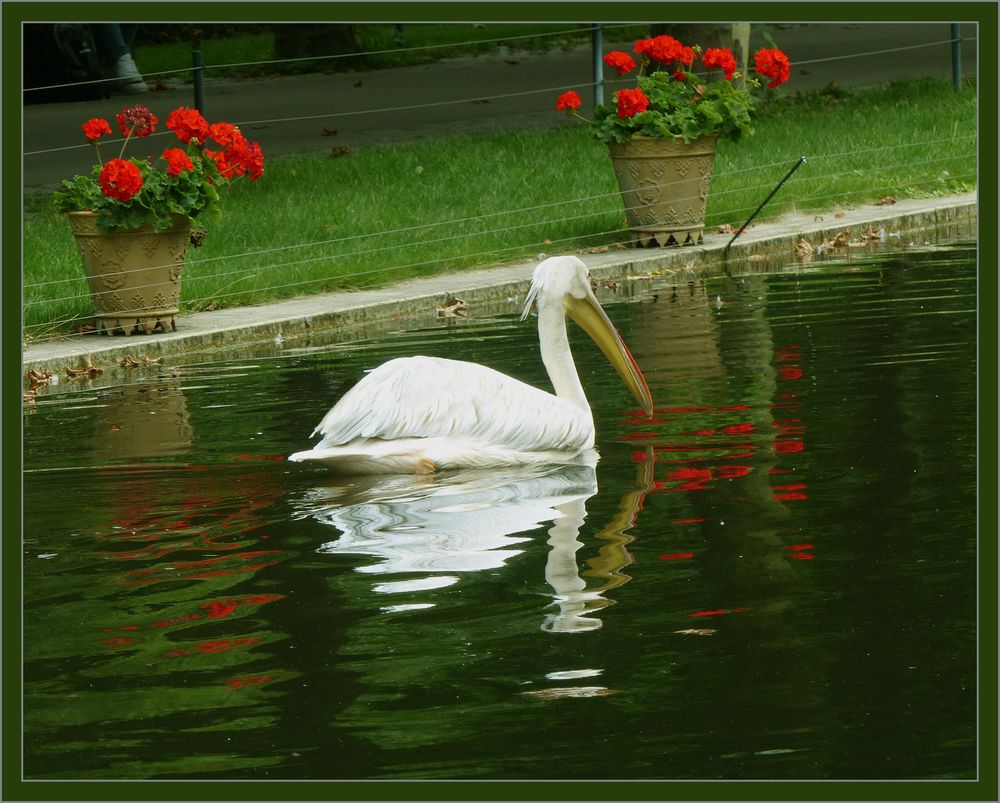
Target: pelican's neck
(557, 357)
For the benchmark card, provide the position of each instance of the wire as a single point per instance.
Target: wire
(518, 247)
(523, 210)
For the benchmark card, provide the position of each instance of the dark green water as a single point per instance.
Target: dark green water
(773, 578)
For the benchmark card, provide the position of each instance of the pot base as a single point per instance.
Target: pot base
(129, 325)
(662, 238)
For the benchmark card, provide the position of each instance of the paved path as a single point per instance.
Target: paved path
(296, 114)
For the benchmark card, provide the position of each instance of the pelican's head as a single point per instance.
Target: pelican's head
(565, 280)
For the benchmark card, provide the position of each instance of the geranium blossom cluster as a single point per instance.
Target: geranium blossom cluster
(661, 59)
(182, 181)
(122, 179)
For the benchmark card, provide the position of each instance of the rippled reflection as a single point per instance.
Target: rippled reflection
(428, 531)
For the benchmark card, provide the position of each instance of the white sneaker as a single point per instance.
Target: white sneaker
(131, 82)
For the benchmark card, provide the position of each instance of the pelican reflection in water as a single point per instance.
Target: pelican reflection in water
(422, 414)
(430, 531)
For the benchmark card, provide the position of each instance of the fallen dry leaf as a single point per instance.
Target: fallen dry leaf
(887, 201)
(841, 240)
(726, 228)
(37, 378)
(871, 233)
(840, 215)
(455, 308)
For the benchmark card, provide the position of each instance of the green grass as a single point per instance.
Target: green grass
(377, 215)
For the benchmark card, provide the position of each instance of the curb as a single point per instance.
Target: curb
(288, 326)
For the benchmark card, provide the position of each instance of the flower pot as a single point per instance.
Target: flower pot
(664, 185)
(134, 274)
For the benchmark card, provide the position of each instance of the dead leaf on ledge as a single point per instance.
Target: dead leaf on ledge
(341, 151)
(840, 215)
(88, 369)
(597, 249)
(455, 308)
(37, 378)
(841, 240)
(887, 201)
(726, 228)
(871, 233)
(329, 132)
(697, 631)
(817, 218)
(130, 362)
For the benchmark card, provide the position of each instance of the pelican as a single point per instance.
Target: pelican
(418, 415)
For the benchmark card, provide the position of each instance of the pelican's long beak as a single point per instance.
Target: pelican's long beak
(592, 318)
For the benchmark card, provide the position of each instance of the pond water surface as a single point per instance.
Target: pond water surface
(774, 577)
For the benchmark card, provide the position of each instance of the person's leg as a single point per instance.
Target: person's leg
(110, 40)
(115, 42)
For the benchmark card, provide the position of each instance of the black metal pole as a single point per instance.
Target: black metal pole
(199, 81)
(788, 175)
(596, 47)
(956, 55)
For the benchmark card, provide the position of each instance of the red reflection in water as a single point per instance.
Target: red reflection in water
(201, 529)
(719, 612)
(678, 556)
(251, 680)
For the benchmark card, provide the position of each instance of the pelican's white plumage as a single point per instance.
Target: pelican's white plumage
(422, 414)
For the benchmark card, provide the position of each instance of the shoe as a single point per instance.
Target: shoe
(131, 81)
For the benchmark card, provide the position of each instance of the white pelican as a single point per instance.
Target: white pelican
(424, 414)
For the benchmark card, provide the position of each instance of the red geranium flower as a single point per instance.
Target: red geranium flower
(177, 161)
(239, 159)
(630, 102)
(120, 179)
(225, 134)
(137, 120)
(568, 101)
(773, 64)
(663, 49)
(720, 58)
(188, 124)
(95, 128)
(622, 62)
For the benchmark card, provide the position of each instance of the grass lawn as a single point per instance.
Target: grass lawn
(377, 215)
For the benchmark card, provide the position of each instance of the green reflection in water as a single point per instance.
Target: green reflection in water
(774, 577)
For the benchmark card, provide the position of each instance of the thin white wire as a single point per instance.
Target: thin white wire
(418, 227)
(260, 270)
(327, 115)
(412, 107)
(522, 210)
(880, 52)
(420, 264)
(361, 54)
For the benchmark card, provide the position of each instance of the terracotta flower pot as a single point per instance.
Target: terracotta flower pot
(134, 274)
(664, 185)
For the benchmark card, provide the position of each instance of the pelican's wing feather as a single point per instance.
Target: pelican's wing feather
(430, 397)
